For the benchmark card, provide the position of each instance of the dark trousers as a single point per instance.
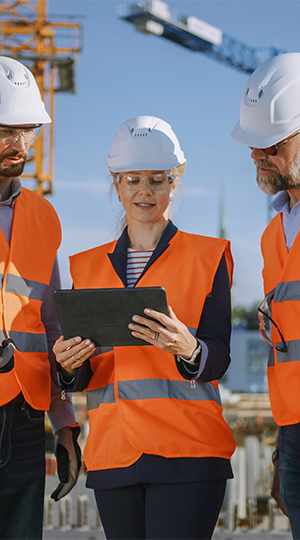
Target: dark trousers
(289, 474)
(22, 471)
(161, 511)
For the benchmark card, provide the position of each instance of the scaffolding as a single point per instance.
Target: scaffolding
(27, 35)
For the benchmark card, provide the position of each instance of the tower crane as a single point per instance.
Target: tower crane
(154, 17)
(27, 35)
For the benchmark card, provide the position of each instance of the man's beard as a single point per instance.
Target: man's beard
(12, 170)
(274, 181)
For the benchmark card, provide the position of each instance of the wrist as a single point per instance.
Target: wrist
(193, 359)
(67, 373)
(190, 350)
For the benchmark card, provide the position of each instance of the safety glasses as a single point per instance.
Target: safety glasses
(157, 181)
(9, 135)
(262, 312)
(273, 150)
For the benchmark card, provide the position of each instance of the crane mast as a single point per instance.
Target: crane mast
(154, 17)
(27, 35)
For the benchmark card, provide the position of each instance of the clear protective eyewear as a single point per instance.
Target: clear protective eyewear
(273, 150)
(9, 135)
(156, 181)
(263, 314)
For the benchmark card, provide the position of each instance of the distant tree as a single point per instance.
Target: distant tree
(245, 316)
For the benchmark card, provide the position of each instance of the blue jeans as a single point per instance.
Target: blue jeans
(22, 471)
(289, 474)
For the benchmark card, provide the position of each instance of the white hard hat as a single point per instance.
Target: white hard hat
(144, 143)
(20, 99)
(270, 104)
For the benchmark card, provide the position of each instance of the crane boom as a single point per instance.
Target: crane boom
(154, 17)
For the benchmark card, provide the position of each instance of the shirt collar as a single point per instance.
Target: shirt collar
(15, 190)
(281, 203)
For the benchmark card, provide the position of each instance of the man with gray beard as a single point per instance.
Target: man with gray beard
(270, 125)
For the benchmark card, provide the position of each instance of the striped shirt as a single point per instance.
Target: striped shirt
(136, 262)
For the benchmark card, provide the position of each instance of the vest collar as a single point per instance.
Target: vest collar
(118, 257)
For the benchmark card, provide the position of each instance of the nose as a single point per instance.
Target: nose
(18, 142)
(145, 187)
(257, 153)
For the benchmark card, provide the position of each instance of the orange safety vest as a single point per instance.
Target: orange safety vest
(137, 400)
(25, 267)
(281, 274)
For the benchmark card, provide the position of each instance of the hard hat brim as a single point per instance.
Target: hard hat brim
(20, 119)
(144, 166)
(258, 140)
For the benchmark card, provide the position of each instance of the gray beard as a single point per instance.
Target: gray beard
(274, 182)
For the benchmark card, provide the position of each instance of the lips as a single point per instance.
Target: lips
(264, 165)
(12, 156)
(14, 159)
(265, 170)
(144, 205)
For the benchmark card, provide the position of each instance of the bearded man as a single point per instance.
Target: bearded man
(30, 235)
(270, 125)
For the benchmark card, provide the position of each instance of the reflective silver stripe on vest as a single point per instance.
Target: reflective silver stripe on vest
(25, 287)
(271, 357)
(293, 352)
(26, 342)
(161, 388)
(287, 290)
(101, 395)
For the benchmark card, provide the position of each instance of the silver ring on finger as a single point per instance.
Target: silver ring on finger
(155, 336)
(73, 358)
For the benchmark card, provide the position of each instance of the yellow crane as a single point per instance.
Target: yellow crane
(27, 35)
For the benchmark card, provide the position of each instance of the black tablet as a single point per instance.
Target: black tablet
(103, 315)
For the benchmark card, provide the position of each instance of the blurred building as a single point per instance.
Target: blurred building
(249, 359)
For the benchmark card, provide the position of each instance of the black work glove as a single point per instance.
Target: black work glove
(68, 457)
(7, 350)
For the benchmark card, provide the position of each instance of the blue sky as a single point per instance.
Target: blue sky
(122, 73)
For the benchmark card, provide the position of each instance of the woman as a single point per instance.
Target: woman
(158, 448)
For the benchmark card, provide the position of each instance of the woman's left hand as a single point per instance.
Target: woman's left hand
(173, 337)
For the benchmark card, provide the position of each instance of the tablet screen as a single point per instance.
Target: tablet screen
(103, 315)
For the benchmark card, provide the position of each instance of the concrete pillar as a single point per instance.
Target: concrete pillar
(65, 513)
(242, 509)
(83, 512)
(48, 513)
